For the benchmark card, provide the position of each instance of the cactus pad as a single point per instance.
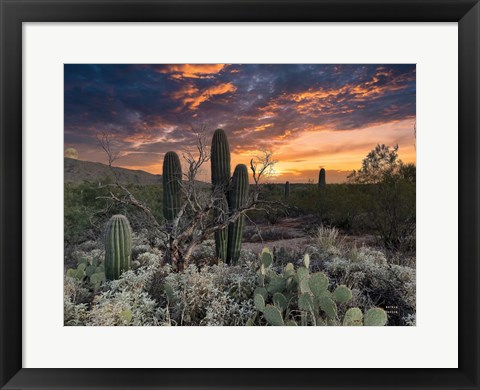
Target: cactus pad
(318, 283)
(273, 316)
(305, 302)
(353, 317)
(375, 317)
(266, 257)
(328, 306)
(259, 302)
(262, 291)
(277, 284)
(342, 294)
(280, 301)
(306, 260)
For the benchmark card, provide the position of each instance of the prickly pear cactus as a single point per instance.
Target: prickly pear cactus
(118, 247)
(294, 297)
(375, 317)
(273, 315)
(353, 317)
(342, 294)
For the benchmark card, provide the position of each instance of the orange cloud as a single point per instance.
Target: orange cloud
(314, 101)
(193, 98)
(262, 127)
(194, 71)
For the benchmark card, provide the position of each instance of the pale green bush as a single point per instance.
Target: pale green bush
(219, 294)
(376, 281)
(74, 298)
(152, 294)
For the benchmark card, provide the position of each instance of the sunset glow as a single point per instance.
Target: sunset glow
(310, 116)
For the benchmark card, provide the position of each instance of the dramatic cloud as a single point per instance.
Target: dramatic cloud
(311, 116)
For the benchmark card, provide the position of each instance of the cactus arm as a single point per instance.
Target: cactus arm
(237, 199)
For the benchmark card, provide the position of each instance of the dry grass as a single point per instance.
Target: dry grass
(327, 239)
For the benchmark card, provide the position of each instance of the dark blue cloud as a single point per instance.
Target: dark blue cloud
(155, 107)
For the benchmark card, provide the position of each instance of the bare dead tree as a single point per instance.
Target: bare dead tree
(104, 139)
(262, 166)
(123, 195)
(203, 210)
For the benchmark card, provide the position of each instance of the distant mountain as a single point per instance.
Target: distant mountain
(77, 171)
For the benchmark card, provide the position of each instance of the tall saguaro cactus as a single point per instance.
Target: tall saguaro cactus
(287, 189)
(118, 247)
(172, 178)
(220, 165)
(237, 199)
(220, 159)
(321, 179)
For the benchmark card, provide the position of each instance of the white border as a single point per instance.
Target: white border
(432, 343)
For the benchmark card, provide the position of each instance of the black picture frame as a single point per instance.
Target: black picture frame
(15, 12)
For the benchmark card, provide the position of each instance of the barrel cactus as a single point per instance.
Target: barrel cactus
(287, 189)
(118, 247)
(237, 199)
(220, 170)
(322, 179)
(172, 178)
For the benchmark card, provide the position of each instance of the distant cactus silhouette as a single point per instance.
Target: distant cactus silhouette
(287, 189)
(322, 179)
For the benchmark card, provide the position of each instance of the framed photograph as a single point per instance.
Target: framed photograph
(239, 194)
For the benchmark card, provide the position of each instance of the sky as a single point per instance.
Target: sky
(310, 116)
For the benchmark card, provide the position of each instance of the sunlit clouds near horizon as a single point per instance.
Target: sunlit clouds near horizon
(310, 116)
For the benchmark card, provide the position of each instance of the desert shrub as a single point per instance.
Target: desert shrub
(247, 257)
(212, 295)
(126, 301)
(205, 253)
(75, 297)
(153, 294)
(378, 281)
(86, 212)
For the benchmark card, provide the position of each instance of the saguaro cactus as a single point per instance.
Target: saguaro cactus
(220, 165)
(321, 179)
(221, 236)
(172, 178)
(237, 199)
(118, 247)
(287, 189)
(220, 159)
